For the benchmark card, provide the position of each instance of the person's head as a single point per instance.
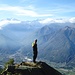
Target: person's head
(36, 41)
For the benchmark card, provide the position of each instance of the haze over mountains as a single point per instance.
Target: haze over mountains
(56, 40)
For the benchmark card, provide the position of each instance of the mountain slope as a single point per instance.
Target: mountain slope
(60, 47)
(7, 45)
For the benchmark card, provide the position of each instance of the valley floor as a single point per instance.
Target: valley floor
(67, 71)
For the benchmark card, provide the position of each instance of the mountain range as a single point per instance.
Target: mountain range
(56, 41)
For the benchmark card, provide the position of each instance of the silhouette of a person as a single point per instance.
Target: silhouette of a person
(35, 52)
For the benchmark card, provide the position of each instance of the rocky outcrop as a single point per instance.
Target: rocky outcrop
(30, 68)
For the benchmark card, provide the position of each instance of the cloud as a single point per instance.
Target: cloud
(6, 22)
(72, 20)
(30, 13)
(60, 10)
(48, 20)
(22, 11)
(52, 20)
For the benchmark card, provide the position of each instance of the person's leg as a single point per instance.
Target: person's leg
(35, 56)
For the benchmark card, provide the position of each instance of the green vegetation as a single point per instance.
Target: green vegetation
(10, 62)
(1, 70)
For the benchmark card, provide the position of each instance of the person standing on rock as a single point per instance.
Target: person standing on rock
(35, 52)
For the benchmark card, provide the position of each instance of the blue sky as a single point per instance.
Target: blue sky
(36, 9)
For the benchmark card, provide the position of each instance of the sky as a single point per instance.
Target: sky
(37, 9)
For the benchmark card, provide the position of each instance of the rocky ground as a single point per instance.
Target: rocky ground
(30, 68)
